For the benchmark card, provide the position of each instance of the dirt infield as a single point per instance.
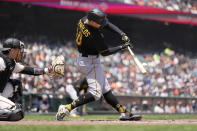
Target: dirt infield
(102, 122)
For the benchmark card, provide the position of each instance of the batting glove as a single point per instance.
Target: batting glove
(125, 38)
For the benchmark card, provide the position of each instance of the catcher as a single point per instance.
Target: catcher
(10, 56)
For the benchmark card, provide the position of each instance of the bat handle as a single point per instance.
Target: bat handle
(131, 52)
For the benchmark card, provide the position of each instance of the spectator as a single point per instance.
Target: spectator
(158, 108)
(43, 104)
(167, 107)
(145, 107)
(194, 106)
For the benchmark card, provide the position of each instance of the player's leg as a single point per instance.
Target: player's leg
(64, 110)
(8, 91)
(17, 90)
(12, 90)
(112, 100)
(93, 94)
(10, 111)
(92, 71)
(73, 93)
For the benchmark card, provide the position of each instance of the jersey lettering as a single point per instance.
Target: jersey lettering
(78, 37)
(81, 30)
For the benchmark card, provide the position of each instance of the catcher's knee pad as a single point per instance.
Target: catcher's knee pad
(12, 114)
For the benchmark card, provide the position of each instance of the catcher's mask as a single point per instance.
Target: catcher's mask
(14, 43)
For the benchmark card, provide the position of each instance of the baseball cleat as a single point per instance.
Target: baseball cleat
(62, 112)
(74, 115)
(130, 117)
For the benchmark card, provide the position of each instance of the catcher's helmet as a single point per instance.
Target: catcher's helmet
(12, 43)
(98, 16)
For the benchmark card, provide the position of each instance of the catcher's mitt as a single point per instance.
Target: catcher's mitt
(58, 67)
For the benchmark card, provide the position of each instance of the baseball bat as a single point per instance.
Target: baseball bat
(137, 62)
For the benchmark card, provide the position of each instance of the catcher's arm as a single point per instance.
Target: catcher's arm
(55, 69)
(30, 70)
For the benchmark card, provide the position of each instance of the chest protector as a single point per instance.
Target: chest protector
(5, 75)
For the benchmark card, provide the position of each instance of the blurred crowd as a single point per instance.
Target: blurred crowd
(169, 106)
(169, 74)
(173, 5)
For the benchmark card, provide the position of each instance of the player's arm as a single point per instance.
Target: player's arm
(109, 51)
(56, 69)
(115, 29)
(19, 68)
(104, 50)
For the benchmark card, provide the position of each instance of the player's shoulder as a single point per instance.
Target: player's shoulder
(2, 64)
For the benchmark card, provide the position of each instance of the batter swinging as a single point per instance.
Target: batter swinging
(90, 44)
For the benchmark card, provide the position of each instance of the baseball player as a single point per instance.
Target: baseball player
(74, 91)
(10, 56)
(90, 44)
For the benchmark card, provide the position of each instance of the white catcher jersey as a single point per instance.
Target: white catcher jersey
(18, 67)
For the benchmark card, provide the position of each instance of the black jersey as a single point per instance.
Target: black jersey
(5, 75)
(89, 40)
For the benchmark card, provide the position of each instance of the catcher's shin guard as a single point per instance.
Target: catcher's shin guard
(12, 114)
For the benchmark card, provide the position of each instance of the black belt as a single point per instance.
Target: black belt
(86, 55)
